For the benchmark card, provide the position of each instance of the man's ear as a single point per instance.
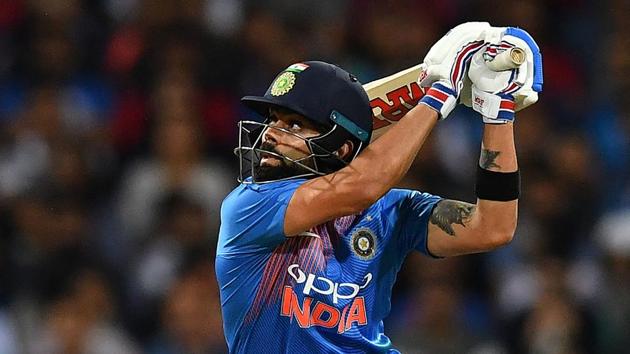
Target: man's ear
(345, 151)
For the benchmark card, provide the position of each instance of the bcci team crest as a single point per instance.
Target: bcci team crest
(283, 83)
(364, 243)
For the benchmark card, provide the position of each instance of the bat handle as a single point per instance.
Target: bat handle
(509, 59)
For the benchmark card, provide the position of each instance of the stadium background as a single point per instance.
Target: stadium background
(117, 121)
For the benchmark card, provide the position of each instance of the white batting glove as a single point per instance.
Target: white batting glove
(498, 94)
(444, 67)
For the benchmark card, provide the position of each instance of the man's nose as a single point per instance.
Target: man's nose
(272, 134)
(268, 136)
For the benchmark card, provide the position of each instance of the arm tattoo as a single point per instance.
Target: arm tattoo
(487, 159)
(448, 212)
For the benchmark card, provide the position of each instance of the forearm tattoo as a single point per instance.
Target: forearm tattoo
(487, 159)
(448, 212)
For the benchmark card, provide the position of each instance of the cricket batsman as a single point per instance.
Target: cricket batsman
(313, 237)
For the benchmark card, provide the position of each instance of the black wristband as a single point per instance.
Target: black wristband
(499, 186)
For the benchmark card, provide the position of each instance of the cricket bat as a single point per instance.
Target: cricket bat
(393, 96)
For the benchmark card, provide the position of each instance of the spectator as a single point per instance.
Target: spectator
(184, 233)
(80, 321)
(177, 166)
(191, 316)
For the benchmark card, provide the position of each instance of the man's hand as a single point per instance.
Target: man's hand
(444, 67)
(498, 94)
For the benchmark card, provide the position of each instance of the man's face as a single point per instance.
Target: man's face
(285, 144)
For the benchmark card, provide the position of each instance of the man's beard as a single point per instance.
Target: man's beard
(285, 169)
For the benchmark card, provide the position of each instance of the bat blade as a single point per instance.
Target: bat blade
(392, 97)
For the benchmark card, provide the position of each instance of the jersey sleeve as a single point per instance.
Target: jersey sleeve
(414, 211)
(252, 217)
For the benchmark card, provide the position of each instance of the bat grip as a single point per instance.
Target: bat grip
(508, 59)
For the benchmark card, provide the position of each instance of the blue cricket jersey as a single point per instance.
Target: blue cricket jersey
(325, 291)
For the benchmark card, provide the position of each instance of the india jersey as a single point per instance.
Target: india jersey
(324, 291)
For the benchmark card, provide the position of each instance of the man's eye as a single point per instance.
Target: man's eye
(296, 125)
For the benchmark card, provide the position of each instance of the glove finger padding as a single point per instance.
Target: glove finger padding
(440, 61)
(445, 65)
(531, 47)
(491, 81)
(456, 36)
(496, 95)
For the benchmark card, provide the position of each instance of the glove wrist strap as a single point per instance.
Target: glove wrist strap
(440, 98)
(495, 108)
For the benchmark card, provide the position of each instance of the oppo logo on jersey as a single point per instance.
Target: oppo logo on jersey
(332, 288)
(321, 314)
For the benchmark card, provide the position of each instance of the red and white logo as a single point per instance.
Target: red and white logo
(321, 314)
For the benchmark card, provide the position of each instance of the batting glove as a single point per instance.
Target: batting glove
(498, 94)
(444, 67)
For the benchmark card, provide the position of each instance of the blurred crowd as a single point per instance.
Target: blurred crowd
(117, 124)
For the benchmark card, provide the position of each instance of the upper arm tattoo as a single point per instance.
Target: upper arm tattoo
(487, 159)
(448, 212)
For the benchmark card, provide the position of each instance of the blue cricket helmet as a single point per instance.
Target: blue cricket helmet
(325, 94)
